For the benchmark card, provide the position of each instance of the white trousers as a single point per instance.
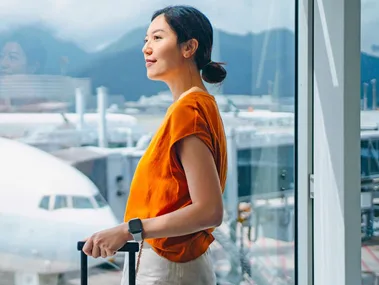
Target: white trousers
(156, 270)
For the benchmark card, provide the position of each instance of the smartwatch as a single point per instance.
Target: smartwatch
(135, 229)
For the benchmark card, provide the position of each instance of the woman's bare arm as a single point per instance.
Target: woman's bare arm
(206, 210)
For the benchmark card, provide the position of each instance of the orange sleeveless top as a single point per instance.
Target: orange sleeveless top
(159, 184)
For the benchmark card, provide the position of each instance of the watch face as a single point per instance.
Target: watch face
(135, 226)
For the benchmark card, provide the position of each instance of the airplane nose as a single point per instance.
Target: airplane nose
(98, 220)
(91, 222)
(103, 219)
(106, 218)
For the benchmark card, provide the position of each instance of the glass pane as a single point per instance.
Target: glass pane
(100, 201)
(365, 170)
(45, 203)
(54, 59)
(60, 202)
(369, 142)
(265, 147)
(81, 203)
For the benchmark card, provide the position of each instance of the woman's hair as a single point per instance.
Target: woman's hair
(189, 23)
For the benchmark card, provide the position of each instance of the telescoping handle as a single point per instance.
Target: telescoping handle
(130, 247)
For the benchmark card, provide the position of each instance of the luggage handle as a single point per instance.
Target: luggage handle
(131, 247)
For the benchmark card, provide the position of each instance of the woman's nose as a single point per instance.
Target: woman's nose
(147, 49)
(4, 62)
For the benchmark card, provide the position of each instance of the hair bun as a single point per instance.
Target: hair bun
(213, 72)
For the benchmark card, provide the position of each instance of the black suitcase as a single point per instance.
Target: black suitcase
(130, 247)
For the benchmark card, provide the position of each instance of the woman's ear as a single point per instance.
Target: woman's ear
(189, 48)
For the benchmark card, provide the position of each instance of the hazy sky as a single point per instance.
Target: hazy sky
(370, 24)
(93, 23)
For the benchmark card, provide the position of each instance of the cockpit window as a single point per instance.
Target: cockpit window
(44, 204)
(81, 203)
(100, 201)
(60, 202)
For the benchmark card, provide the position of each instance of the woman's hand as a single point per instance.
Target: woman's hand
(107, 242)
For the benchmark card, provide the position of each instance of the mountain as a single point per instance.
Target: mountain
(252, 64)
(122, 70)
(61, 55)
(122, 73)
(256, 63)
(133, 39)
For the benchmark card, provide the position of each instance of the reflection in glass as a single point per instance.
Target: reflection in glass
(266, 156)
(22, 54)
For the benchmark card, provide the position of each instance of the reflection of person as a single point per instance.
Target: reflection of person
(175, 199)
(22, 55)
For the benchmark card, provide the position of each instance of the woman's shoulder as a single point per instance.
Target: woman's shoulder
(197, 99)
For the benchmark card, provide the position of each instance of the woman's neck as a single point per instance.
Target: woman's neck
(185, 84)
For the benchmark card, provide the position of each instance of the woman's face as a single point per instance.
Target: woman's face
(13, 60)
(163, 56)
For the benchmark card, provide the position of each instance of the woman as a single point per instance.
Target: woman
(175, 199)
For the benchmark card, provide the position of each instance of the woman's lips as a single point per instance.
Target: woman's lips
(150, 62)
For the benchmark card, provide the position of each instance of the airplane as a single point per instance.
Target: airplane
(46, 207)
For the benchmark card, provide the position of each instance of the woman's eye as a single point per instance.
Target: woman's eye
(155, 38)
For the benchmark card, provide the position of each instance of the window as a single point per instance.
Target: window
(44, 204)
(62, 65)
(365, 155)
(100, 201)
(369, 142)
(82, 202)
(60, 202)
